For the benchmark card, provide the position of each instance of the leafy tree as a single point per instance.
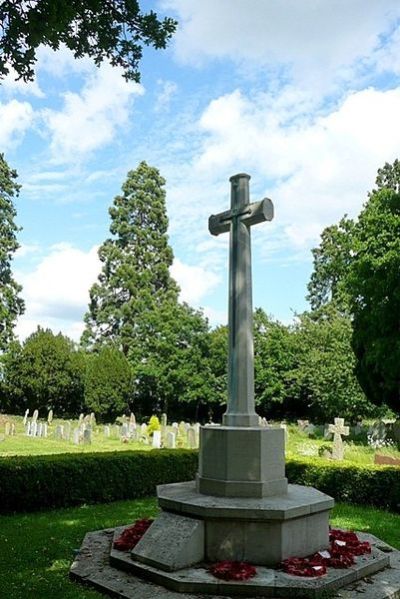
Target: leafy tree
(172, 366)
(331, 262)
(11, 305)
(324, 384)
(274, 361)
(115, 30)
(135, 278)
(373, 284)
(108, 383)
(45, 372)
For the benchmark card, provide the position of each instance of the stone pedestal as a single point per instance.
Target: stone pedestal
(241, 462)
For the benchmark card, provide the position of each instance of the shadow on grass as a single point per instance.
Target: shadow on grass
(36, 550)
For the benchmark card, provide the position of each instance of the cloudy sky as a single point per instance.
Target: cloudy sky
(304, 95)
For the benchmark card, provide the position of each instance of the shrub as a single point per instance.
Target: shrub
(154, 425)
(34, 482)
(353, 483)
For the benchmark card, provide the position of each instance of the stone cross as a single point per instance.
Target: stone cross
(338, 429)
(238, 221)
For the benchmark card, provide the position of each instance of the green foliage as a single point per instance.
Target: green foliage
(323, 381)
(274, 361)
(11, 305)
(373, 283)
(357, 268)
(358, 484)
(115, 31)
(134, 280)
(154, 425)
(108, 383)
(331, 262)
(45, 372)
(36, 482)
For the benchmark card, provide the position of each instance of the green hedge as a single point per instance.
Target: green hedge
(35, 482)
(350, 483)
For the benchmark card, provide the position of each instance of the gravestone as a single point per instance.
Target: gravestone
(33, 428)
(386, 460)
(125, 431)
(59, 432)
(76, 436)
(163, 419)
(50, 417)
(338, 429)
(44, 430)
(143, 429)
(67, 431)
(170, 440)
(191, 438)
(81, 417)
(7, 428)
(156, 442)
(13, 429)
(117, 431)
(106, 431)
(28, 429)
(35, 415)
(25, 417)
(132, 419)
(87, 436)
(377, 433)
(301, 424)
(39, 429)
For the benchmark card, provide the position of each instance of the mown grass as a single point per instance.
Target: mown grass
(36, 550)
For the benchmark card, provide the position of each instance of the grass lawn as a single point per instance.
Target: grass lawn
(36, 550)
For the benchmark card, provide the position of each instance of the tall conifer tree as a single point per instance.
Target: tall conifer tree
(11, 304)
(135, 278)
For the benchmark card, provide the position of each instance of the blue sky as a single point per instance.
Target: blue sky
(302, 95)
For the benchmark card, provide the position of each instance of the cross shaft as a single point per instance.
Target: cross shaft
(238, 220)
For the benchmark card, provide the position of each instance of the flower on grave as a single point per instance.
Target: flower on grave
(344, 546)
(132, 535)
(231, 570)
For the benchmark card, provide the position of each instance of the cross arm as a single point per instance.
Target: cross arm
(250, 214)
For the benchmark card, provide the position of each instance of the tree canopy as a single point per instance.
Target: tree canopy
(113, 30)
(11, 304)
(357, 268)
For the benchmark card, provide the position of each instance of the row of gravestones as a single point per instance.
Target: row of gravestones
(379, 431)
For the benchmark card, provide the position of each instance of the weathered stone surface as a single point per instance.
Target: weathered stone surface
(171, 543)
(242, 462)
(92, 567)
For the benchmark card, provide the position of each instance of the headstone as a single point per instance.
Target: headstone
(28, 429)
(386, 460)
(170, 440)
(117, 430)
(13, 431)
(283, 425)
(92, 419)
(44, 430)
(50, 417)
(76, 436)
(81, 417)
(377, 434)
(143, 429)
(7, 428)
(338, 429)
(87, 436)
(35, 415)
(302, 424)
(132, 419)
(39, 429)
(395, 432)
(309, 429)
(33, 428)
(133, 434)
(191, 438)
(59, 432)
(125, 431)
(106, 431)
(25, 417)
(163, 419)
(67, 431)
(156, 443)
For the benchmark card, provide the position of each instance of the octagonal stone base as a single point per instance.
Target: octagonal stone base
(241, 461)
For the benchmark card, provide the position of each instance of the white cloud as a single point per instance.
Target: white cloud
(195, 281)
(15, 118)
(314, 39)
(12, 85)
(89, 120)
(56, 292)
(167, 90)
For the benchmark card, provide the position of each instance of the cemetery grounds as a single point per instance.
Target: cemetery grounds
(36, 550)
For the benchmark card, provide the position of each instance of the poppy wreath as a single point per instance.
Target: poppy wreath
(344, 546)
(132, 535)
(228, 570)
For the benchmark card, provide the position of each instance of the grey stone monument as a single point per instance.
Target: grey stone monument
(241, 492)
